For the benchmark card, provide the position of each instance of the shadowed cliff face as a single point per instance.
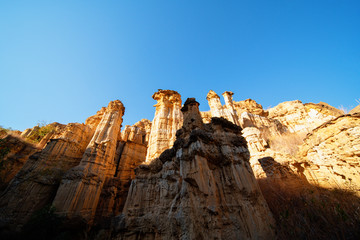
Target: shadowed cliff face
(14, 152)
(80, 188)
(36, 183)
(201, 188)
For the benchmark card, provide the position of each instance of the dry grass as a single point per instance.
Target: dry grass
(344, 109)
(286, 143)
(309, 212)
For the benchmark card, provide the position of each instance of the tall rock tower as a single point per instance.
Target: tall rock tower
(229, 110)
(80, 189)
(215, 104)
(168, 119)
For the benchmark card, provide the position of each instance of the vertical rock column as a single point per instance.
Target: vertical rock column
(80, 188)
(36, 183)
(167, 120)
(215, 104)
(131, 152)
(230, 111)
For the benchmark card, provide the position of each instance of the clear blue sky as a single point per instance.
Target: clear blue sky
(63, 60)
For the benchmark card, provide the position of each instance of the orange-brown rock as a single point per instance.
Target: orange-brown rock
(202, 188)
(80, 189)
(167, 120)
(55, 132)
(206, 116)
(231, 110)
(41, 135)
(94, 120)
(14, 152)
(131, 152)
(250, 106)
(36, 183)
(29, 131)
(138, 133)
(216, 109)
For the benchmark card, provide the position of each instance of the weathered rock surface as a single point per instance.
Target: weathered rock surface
(14, 152)
(332, 154)
(167, 120)
(131, 152)
(202, 188)
(42, 135)
(355, 110)
(80, 189)
(29, 131)
(94, 120)
(299, 117)
(36, 183)
(231, 110)
(250, 106)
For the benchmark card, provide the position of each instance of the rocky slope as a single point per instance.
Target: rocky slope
(188, 174)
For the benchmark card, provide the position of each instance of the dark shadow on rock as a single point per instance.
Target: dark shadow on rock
(305, 211)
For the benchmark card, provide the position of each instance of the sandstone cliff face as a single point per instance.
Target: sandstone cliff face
(298, 117)
(80, 188)
(167, 120)
(131, 152)
(332, 154)
(94, 120)
(41, 135)
(201, 188)
(36, 183)
(14, 152)
(196, 184)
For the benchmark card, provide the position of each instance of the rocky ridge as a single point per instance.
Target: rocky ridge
(186, 174)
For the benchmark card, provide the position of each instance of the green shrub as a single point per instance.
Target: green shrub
(40, 133)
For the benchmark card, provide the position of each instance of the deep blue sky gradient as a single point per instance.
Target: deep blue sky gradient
(63, 60)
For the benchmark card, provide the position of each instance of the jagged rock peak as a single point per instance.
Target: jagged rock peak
(116, 105)
(94, 120)
(167, 97)
(192, 116)
(228, 93)
(189, 102)
(228, 97)
(212, 94)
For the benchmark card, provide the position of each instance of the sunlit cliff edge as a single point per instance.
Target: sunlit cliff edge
(237, 171)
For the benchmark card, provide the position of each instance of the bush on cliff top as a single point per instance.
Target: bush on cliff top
(40, 133)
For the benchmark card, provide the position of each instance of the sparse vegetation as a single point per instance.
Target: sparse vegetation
(310, 212)
(5, 129)
(40, 132)
(286, 143)
(344, 109)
